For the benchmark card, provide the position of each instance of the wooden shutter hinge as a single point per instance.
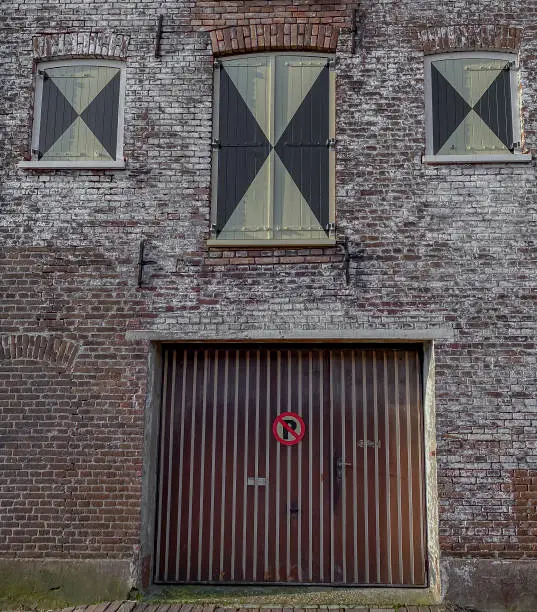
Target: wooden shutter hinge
(42, 74)
(158, 36)
(357, 31)
(142, 262)
(217, 63)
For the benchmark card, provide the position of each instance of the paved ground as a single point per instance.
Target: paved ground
(133, 606)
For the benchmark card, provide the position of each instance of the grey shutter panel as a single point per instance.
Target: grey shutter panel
(242, 149)
(494, 107)
(101, 115)
(79, 113)
(303, 148)
(57, 115)
(449, 109)
(471, 106)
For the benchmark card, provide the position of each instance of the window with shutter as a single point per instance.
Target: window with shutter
(273, 164)
(472, 108)
(78, 114)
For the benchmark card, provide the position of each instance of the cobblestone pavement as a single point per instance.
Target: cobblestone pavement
(134, 606)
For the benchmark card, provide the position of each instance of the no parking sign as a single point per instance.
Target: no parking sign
(288, 428)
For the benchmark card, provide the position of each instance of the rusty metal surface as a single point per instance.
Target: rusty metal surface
(344, 506)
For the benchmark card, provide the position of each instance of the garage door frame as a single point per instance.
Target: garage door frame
(430, 594)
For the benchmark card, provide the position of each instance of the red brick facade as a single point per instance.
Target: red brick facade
(418, 248)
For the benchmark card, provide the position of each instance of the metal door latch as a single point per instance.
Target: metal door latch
(340, 465)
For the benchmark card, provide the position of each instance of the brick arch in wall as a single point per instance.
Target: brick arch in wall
(274, 37)
(90, 43)
(53, 350)
(443, 39)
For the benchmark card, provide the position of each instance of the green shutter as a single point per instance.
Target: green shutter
(79, 113)
(471, 106)
(273, 159)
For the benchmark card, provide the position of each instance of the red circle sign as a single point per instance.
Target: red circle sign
(288, 428)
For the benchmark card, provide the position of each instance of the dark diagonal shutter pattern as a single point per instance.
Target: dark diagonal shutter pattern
(303, 147)
(243, 149)
(494, 108)
(101, 115)
(272, 148)
(56, 115)
(79, 112)
(449, 109)
(471, 106)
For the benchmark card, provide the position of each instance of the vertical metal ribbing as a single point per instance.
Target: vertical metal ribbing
(409, 467)
(267, 466)
(278, 467)
(161, 470)
(344, 470)
(213, 464)
(368, 508)
(181, 448)
(377, 486)
(310, 467)
(354, 506)
(387, 464)
(288, 459)
(191, 476)
(332, 458)
(398, 471)
(224, 463)
(170, 467)
(235, 452)
(256, 462)
(300, 511)
(421, 458)
(245, 470)
(321, 487)
(366, 468)
(202, 459)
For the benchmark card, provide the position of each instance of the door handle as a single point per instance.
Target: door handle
(340, 465)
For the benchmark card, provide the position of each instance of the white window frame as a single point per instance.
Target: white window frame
(517, 156)
(119, 162)
(273, 242)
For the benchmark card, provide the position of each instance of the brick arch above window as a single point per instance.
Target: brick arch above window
(442, 39)
(46, 348)
(91, 43)
(274, 37)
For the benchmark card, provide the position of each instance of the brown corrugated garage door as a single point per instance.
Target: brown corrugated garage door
(332, 493)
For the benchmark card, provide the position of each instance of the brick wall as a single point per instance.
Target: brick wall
(444, 246)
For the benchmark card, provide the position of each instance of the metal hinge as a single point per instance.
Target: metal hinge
(142, 261)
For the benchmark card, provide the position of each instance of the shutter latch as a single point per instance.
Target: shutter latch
(331, 143)
(215, 144)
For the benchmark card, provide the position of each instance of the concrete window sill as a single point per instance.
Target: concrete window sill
(82, 165)
(477, 159)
